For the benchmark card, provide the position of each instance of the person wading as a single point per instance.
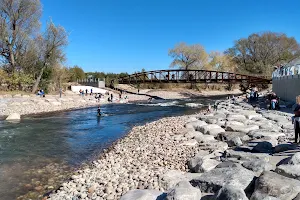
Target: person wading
(296, 119)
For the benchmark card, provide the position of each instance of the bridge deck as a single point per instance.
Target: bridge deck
(187, 76)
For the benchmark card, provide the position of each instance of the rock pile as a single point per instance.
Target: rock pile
(234, 153)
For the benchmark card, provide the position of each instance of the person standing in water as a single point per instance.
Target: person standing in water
(99, 111)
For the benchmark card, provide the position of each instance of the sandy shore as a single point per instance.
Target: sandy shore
(213, 156)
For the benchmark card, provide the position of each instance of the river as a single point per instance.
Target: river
(40, 152)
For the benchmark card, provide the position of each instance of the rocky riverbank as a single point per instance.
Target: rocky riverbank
(237, 152)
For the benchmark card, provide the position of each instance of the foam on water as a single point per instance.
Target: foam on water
(194, 105)
(172, 103)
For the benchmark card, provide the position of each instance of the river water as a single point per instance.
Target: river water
(40, 152)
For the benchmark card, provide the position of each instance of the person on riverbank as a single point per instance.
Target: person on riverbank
(60, 92)
(209, 108)
(296, 119)
(216, 105)
(86, 92)
(91, 91)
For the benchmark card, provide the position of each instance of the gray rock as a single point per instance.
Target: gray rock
(13, 117)
(202, 164)
(236, 141)
(247, 156)
(204, 129)
(193, 134)
(227, 164)
(234, 123)
(204, 138)
(265, 133)
(290, 171)
(226, 136)
(284, 147)
(143, 195)
(214, 180)
(229, 192)
(211, 120)
(195, 124)
(215, 131)
(275, 185)
(244, 129)
(191, 142)
(263, 147)
(171, 178)
(258, 165)
(271, 140)
(184, 191)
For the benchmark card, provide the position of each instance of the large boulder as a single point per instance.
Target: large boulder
(226, 136)
(193, 134)
(247, 155)
(284, 147)
(258, 165)
(171, 177)
(206, 128)
(184, 191)
(191, 142)
(244, 129)
(213, 180)
(234, 123)
(204, 138)
(215, 131)
(271, 140)
(275, 185)
(201, 164)
(143, 195)
(227, 164)
(195, 124)
(290, 171)
(236, 141)
(236, 117)
(263, 147)
(265, 133)
(229, 192)
(13, 117)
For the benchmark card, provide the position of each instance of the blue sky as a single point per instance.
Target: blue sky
(128, 35)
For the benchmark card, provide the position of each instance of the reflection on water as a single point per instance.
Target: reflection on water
(37, 154)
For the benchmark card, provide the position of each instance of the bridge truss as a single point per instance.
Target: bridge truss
(191, 76)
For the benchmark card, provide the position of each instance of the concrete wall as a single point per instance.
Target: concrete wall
(99, 84)
(287, 87)
(76, 89)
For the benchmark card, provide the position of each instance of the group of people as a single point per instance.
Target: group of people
(273, 101)
(86, 92)
(252, 95)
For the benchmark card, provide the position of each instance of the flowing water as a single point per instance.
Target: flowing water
(40, 152)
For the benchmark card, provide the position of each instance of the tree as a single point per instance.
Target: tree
(18, 20)
(188, 57)
(50, 47)
(260, 52)
(76, 73)
(221, 62)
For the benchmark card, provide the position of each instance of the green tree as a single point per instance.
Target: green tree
(188, 57)
(76, 73)
(19, 19)
(50, 47)
(261, 51)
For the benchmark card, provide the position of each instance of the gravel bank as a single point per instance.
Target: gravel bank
(215, 156)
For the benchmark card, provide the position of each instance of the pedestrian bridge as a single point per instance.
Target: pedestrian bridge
(191, 76)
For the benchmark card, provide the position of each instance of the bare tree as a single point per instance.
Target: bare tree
(18, 21)
(50, 47)
(188, 57)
